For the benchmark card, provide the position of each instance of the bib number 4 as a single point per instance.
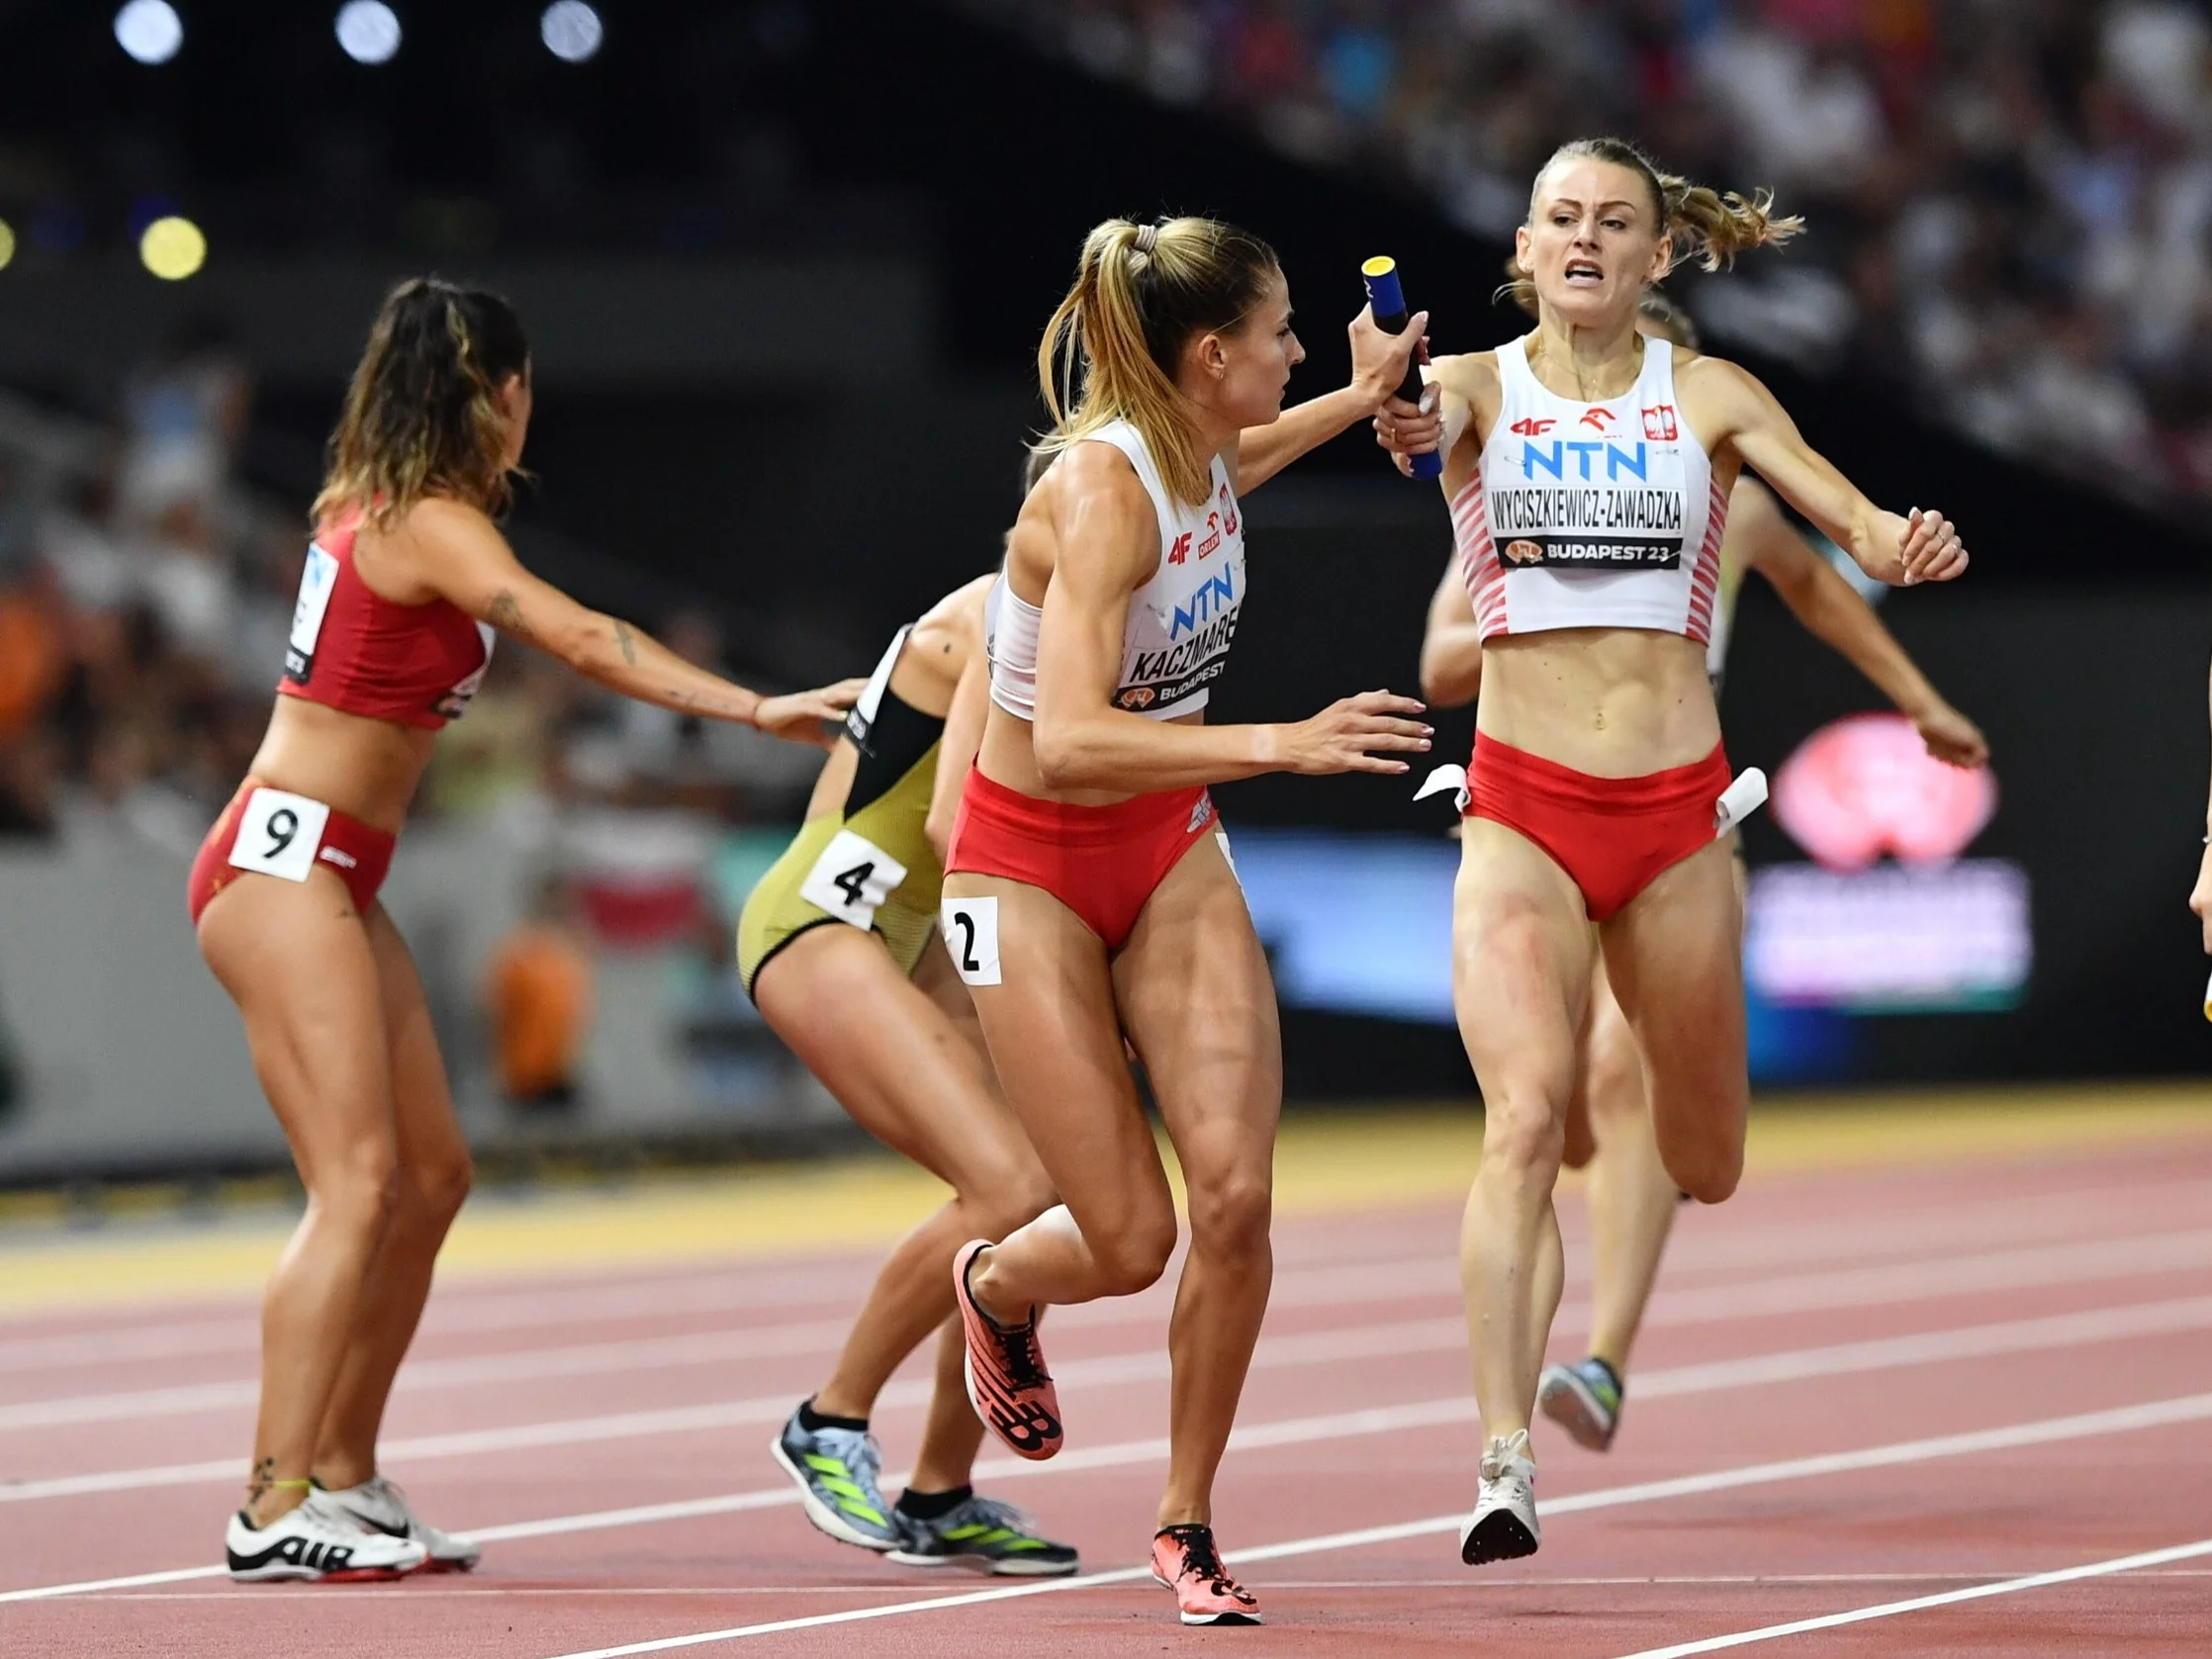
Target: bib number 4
(852, 878)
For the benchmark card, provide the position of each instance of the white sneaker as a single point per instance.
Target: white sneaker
(380, 1506)
(316, 1541)
(1503, 1524)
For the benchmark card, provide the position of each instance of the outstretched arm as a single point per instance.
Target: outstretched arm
(1832, 612)
(1378, 368)
(1109, 547)
(461, 556)
(1900, 550)
(1451, 648)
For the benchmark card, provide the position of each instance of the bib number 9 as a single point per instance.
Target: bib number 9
(852, 878)
(970, 930)
(279, 834)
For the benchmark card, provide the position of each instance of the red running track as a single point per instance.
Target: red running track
(1858, 1390)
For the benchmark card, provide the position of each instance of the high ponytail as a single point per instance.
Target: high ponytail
(1111, 349)
(421, 416)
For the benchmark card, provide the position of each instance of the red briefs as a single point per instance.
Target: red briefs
(283, 835)
(1101, 862)
(1610, 835)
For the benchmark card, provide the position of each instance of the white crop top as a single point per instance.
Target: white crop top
(1591, 515)
(1175, 643)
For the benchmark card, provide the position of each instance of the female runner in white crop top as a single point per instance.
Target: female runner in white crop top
(1086, 894)
(1590, 522)
(1629, 1197)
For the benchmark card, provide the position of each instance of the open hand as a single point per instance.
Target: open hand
(808, 716)
(1338, 738)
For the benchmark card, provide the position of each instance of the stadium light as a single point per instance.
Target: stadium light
(368, 30)
(173, 248)
(7, 243)
(571, 31)
(150, 30)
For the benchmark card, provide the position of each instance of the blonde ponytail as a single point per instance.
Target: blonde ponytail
(1111, 349)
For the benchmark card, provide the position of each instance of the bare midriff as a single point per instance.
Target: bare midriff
(1613, 703)
(366, 769)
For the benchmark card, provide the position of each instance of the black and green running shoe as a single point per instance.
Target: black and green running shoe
(837, 1471)
(986, 1535)
(1584, 1399)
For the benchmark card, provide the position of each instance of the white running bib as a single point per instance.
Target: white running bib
(971, 929)
(317, 581)
(279, 834)
(852, 878)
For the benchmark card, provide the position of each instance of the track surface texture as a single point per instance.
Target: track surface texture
(1921, 1388)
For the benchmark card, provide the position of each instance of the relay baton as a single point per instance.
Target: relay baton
(1388, 301)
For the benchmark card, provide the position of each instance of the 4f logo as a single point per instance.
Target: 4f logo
(1180, 554)
(1659, 424)
(1532, 426)
(1027, 1428)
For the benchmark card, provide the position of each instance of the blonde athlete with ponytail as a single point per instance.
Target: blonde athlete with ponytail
(406, 581)
(1087, 890)
(1589, 470)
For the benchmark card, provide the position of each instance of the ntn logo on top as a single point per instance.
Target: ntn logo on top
(1213, 599)
(1632, 458)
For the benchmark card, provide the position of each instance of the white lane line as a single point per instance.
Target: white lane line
(2157, 1414)
(504, 1304)
(1276, 1585)
(1845, 1359)
(1947, 1598)
(1275, 1352)
(1887, 1287)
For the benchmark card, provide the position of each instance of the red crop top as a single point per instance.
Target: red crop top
(356, 651)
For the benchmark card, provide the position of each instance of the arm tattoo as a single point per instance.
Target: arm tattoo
(506, 615)
(624, 638)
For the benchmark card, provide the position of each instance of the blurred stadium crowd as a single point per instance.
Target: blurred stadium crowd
(2011, 199)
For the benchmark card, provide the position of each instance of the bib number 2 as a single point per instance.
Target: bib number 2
(971, 929)
(279, 834)
(852, 878)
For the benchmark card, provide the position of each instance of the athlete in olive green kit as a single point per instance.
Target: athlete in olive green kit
(837, 946)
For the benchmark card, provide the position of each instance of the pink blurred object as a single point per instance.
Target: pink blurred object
(1865, 786)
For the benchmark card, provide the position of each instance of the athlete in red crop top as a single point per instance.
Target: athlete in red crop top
(1086, 890)
(390, 637)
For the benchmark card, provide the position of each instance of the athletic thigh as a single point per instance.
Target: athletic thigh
(1056, 1040)
(1199, 1006)
(1521, 957)
(296, 959)
(1675, 955)
(433, 1152)
(910, 1073)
